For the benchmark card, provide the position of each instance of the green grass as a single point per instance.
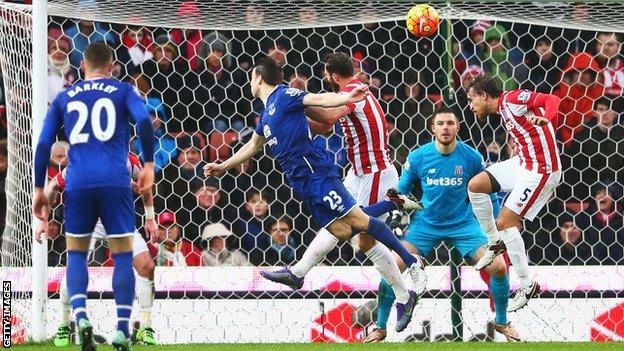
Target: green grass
(546, 346)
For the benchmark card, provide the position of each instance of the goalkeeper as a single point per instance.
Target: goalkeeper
(443, 168)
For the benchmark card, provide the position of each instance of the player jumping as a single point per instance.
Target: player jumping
(95, 114)
(142, 260)
(442, 168)
(530, 177)
(309, 169)
(370, 178)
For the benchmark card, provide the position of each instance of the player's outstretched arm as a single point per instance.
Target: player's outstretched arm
(322, 120)
(334, 100)
(243, 154)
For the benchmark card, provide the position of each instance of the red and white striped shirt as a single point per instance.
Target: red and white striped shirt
(133, 164)
(535, 145)
(366, 132)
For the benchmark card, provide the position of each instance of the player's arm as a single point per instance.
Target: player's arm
(409, 176)
(334, 100)
(51, 125)
(145, 131)
(150, 225)
(548, 105)
(322, 120)
(246, 152)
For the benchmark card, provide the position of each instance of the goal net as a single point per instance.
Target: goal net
(191, 60)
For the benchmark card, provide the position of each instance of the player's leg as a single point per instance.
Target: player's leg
(116, 208)
(80, 219)
(144, 266)
(500, 176)
(61, 338)
(356, 219)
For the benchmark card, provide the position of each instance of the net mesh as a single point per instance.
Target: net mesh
(196, 85)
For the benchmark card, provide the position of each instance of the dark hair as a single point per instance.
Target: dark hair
(269, 70)
(485, 83)
(98, 55)
(440, 110)
(4, 150)
(253, 192)
(339, 63)
(274, 221)
(603, 100)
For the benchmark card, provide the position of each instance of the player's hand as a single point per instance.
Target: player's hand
(146, 178)
(151, 228)
(42, 228)
(41, 205)
(358, 94)
(537, 120)
(213, 169)
(135, 186)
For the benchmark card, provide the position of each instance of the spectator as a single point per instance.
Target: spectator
(217, 253)
(578, 90)
(565, 246)
(244, 176)
(173, 83)
(282, 249)
(83, 33)
(497, 59)
(216, 88)
(603, 223)
(472, 50)
(250, 225)
(138, 41)
(608, 47)
(545, 71)
(173, 249)
(204, 205)
(601, 145)
(61, 74)
(58, 158)
(177, 175)
(165, 149)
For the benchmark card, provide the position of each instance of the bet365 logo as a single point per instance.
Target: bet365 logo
(445, 181)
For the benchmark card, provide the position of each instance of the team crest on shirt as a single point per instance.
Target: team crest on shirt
(459, 170)
(271, 109)
(524, 96)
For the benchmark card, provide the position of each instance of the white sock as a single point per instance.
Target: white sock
(517, 255)
(482, 209)
(322, 244)
(383, 260)
(65, 303)
(145, 297)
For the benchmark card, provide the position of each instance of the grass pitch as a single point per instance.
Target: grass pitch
(422, 346)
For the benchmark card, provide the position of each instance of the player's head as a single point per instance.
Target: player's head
(338, 65)
(444, 125)
(265, 72)
(98, 58)
(483, 90)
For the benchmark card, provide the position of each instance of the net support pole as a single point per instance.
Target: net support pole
(456, 298)
(39, 107)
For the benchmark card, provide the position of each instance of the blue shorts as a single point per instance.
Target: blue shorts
(326, 197)
(114, 206)
(467, 239)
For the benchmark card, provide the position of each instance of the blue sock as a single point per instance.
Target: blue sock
(383, 206)
(382, 233)
(123, 289)
(385, 299)
(499, 287)
(77, 280)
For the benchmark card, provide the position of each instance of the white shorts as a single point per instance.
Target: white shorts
(368, 189)
(99, 234)
(528, 191)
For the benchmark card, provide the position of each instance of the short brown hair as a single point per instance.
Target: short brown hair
(440, 110)
(269, 70)
(98, 55)
(339, 63)
(485, 83)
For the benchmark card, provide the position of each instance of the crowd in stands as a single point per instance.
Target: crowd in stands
(195, 83)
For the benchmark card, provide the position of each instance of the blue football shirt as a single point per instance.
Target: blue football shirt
(96, 115)
(284, 126)
(444, 181)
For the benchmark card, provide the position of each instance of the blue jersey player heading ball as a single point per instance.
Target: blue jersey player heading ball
(96, 113)
(310, 170)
